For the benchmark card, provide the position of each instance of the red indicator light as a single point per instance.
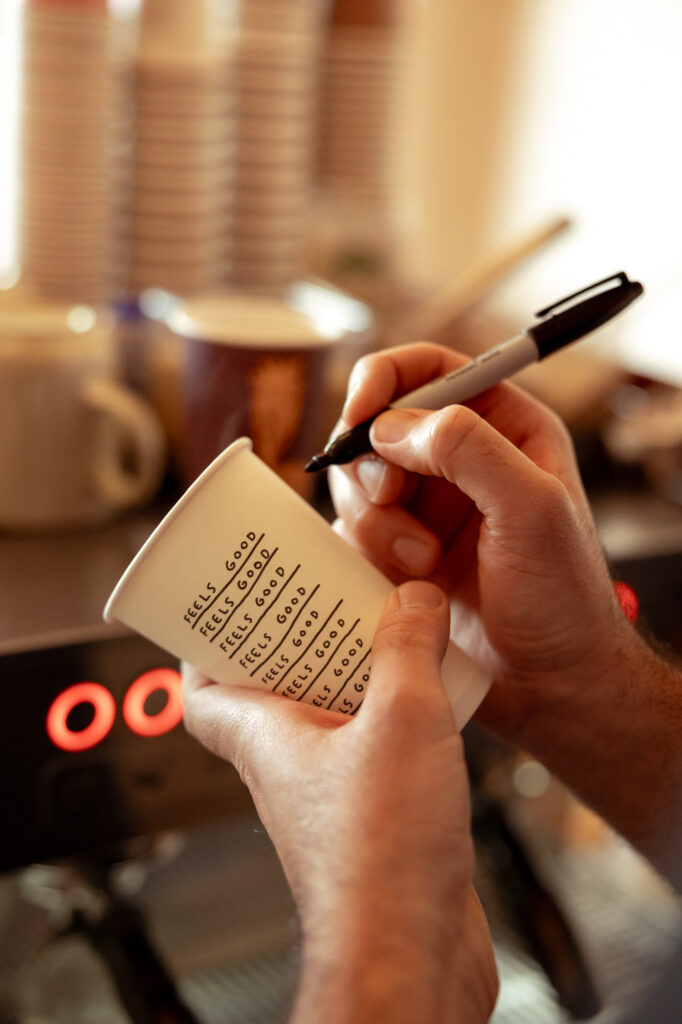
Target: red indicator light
(627, 599)
(62, 706)
(137, 719)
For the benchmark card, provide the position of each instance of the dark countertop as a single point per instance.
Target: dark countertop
(56, 584)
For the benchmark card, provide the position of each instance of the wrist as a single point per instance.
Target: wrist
(362, 963)
(610, 730)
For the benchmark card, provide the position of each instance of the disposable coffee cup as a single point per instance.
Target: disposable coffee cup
(246, 581)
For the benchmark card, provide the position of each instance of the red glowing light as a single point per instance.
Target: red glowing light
(137, 719)
(628, 601)
(62, 706)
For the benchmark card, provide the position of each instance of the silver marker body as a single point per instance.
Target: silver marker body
(474, 377)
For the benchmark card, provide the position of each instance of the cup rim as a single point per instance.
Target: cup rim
(249, 322)
(162, 528)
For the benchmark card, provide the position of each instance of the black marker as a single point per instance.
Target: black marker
(560, 328)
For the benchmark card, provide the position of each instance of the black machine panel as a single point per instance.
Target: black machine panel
(93, 751)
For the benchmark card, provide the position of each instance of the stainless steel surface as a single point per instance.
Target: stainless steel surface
(222, 917)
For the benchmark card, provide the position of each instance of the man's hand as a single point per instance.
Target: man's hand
(486, 501)
(370, 818)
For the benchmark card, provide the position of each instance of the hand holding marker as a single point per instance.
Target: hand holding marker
(559, 328)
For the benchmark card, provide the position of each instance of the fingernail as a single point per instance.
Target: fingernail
(419, 594)
(392, 426)
(371, 473)
(415, 556)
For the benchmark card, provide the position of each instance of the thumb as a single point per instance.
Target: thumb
(408, 648)
(459, 445)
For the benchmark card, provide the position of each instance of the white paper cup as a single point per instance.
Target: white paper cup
(244, 580)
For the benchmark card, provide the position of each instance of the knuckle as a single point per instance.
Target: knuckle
(558, 429)
(360, 522)
(365, 363)
(414, 632)
(552, 497)
(362, 518)
(362, 371)
(549, 510)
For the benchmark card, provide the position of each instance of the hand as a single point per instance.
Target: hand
(487, 502)
(370, 818)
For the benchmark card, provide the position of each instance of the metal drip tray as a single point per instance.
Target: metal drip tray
(221, 916)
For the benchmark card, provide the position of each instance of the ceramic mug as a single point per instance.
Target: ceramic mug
(76, 446)
(266, 368)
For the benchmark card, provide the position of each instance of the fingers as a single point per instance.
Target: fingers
(407, 651)
(220, 717)
(249, 728)
(374, 382)
(380, 378)
(456, 444)
(453, 446)
(504, 455)
(409, 645)
(390, 536)
(380, 481)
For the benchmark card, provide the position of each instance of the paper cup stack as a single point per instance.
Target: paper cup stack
(75, 143)
(357, 159)
(183, 172)
(277, 86)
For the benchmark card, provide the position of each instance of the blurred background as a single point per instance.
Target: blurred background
(208, 210)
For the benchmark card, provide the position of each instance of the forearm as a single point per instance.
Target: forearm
(616, 740)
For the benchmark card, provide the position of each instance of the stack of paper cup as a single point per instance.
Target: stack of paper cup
(75, 145)
(277, 87)
(184, 150)
(357, 166)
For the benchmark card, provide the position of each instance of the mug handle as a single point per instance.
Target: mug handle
(136, 428)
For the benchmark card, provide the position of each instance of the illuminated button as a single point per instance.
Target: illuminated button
(627, 599)
(140, 721)
(57, 725)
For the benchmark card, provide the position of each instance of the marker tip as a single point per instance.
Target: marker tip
(317, 463)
